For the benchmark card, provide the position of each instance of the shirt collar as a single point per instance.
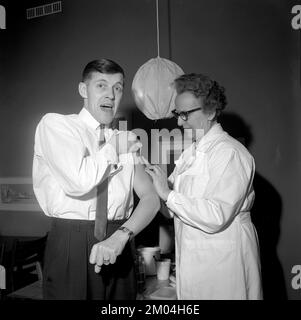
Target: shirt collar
(210, 136)
(88, 119)
(91, 122)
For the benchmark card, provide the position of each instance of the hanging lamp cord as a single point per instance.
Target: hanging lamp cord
(158, 29)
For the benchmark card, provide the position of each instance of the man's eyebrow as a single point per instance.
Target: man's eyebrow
(119, 82)
(101, 80)
(105, 81)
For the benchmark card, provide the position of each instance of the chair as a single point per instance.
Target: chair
(2, 270)
(26, 262)
(2, 246)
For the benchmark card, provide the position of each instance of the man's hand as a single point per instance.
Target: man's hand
(106, 252)
(125, 142)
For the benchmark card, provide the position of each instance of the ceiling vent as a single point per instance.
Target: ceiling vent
(44, 10)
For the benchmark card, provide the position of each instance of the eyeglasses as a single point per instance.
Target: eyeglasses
(184, 114)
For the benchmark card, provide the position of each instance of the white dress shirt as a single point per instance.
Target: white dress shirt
(68, 165)
(217, 255)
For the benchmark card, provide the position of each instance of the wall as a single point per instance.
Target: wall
(248, 46)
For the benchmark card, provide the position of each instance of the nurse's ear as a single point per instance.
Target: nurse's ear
(82, 89)
(212, 116)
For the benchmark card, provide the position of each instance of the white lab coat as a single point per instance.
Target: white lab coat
(217, 253)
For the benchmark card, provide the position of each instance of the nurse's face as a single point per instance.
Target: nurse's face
(102, 94)
(198, 121)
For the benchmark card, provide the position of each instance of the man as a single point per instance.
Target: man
(79, 159)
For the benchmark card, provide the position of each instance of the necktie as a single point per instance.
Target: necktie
(100, 227)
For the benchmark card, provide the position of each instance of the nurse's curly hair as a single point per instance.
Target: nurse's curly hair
(200, 85)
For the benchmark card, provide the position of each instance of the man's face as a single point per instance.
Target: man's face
(102, 94)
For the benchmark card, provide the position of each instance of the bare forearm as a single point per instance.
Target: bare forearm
(144, 213)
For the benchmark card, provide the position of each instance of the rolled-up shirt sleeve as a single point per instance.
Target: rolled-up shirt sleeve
(230, 179)
(74, 168)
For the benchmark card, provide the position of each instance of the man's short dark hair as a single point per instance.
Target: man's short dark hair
(106, 66)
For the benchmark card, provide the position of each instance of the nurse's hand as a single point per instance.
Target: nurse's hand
(107, 251)
(159, 180)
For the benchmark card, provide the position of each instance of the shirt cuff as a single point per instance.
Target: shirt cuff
(174, 200)
(170, 201)
(170, 197)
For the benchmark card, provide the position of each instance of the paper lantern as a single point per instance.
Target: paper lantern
(153, 88)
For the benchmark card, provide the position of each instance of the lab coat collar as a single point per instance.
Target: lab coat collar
(215, 131)
(198, 149)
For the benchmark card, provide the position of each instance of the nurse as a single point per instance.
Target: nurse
(210, 196)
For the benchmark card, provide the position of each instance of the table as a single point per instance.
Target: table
(32, 292)
(151, 285)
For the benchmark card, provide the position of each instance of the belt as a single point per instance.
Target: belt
(77, 224)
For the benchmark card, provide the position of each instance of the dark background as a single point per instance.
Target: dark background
(248, 46)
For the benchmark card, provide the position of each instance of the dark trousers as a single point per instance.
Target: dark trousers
(67, 273)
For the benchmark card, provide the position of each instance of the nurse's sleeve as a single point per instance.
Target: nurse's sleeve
(229, 183)
(163, 207)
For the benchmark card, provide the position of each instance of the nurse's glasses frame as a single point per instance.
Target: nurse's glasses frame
(184, 114)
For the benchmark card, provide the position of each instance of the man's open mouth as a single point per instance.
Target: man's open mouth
(107, 106)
